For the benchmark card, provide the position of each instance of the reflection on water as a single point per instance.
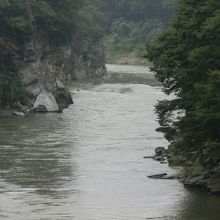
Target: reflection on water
(200, 206)
(86, 164)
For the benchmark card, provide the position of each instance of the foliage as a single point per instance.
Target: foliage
(186, 59)
(132, 23)
(11, 89)
(91, 23)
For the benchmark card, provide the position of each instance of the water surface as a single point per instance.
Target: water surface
(86, 164)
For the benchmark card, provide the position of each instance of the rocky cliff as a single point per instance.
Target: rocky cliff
(44, 71)
(87, 60)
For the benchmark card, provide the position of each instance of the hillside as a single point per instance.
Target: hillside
(130, 24)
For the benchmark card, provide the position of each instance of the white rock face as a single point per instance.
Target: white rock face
(46, 100)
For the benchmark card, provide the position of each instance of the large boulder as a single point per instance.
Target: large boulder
(45, 102)
(63, 98)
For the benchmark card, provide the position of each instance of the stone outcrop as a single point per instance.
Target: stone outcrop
(45, 102)
(88, 60)
(45, 72)
(165, 176)
(161, 155)
(205, 179)
(192, 176)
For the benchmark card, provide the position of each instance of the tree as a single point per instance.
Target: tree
(130, 23)
(187, 61)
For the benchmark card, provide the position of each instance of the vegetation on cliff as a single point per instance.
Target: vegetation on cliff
(186, 60)
(56, 22)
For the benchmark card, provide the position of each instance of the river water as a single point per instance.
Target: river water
(87, 163)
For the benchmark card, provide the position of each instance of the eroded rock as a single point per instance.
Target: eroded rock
(149, 157)
(213, 183)
(63, 98)
(159, 158)
(157, 176)
(165, 176)
(45, 102)
(209, 180)
(160, 151)
(20, 114)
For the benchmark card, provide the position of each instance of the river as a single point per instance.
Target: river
(87, 163)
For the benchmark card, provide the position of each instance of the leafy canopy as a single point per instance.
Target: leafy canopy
(187, 61)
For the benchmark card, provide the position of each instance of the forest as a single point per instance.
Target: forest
(132, 23)
(186, 60)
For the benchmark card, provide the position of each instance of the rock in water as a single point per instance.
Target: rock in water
(160, 151)
(149, 157)
(16, 113)
(158, 176)
(45, 102)
(165, 176)
(63, 98)
(159, 158)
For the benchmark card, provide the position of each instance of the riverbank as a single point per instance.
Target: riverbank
(15, 110)
(129, 60)
(195, 175)
(191, 175)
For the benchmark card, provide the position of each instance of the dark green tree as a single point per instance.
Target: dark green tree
(187, 62)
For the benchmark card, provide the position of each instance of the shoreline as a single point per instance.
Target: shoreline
(129, 61)
(198, 178)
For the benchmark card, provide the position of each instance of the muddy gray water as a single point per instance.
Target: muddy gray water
(86, 164)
